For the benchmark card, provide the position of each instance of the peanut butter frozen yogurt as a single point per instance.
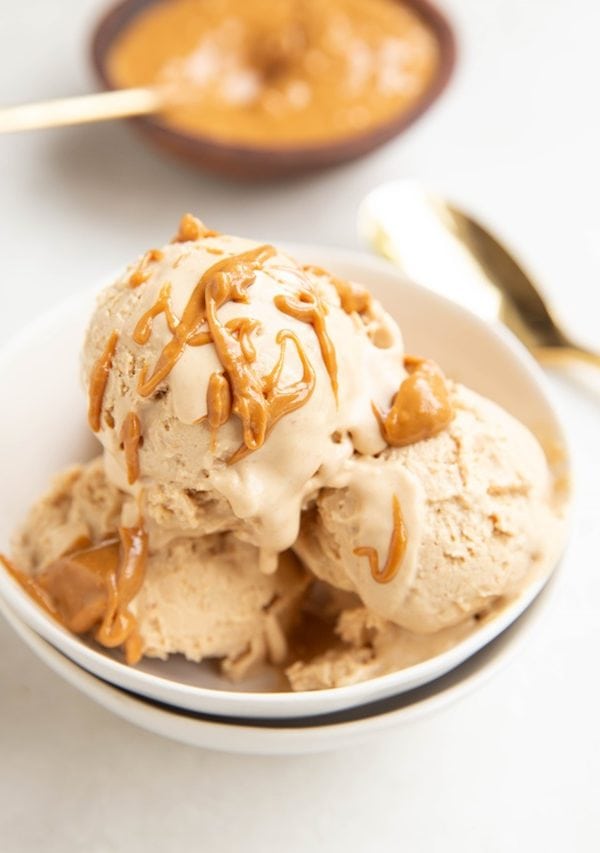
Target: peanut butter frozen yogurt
(237, 380)
(279, 481)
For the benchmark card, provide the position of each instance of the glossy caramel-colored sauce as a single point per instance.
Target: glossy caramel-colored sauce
(91, 589)
(271, 380)
(77, 584)
(243, 327)
(257, 400)
(277, 73)
(33, 590)
(143, 327)
(191, 228)
(225, 281)
(396, 550)
(277, 401)
(421, 407)
(354, 299)
(119, 626)
(309, 308)
(98, 379)
(131, 437)
(218, 404)
(142, 273)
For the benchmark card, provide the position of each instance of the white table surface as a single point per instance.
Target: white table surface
(515, 766)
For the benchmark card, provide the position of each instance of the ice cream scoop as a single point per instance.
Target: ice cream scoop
(221, 370)
(200, 597)
(436, 531)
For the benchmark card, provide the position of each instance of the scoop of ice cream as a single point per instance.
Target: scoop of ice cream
(202, 597)
(207, 598)
(433, 532)
(223, 376)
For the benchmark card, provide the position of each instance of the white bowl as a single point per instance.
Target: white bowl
(301, 734)
(44, 429)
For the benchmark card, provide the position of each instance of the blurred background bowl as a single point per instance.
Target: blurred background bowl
(262, 161)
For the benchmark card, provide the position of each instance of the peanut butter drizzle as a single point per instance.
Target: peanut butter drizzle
(33, 590)
(218, 405)
(78, 544)
(98, 380)
(142, 274)
(143, 327)
(191, 229)
(243, 328)
(396, 551)
(178, 261)
(93, 587)
(131, 436)
(421, 407)
(354, 299)
(119, 625)
(286, 72)
(267, 402)
(225, 281)
(309, 308)
(256, 400)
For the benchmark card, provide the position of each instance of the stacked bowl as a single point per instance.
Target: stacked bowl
(43, 429)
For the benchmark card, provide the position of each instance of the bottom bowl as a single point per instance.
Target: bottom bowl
(298, 735)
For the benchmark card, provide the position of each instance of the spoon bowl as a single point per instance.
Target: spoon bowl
(448, 251)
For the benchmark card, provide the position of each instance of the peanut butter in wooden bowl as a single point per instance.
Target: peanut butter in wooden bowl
(263, 88)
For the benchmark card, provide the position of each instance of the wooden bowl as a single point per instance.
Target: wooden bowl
(269, 161)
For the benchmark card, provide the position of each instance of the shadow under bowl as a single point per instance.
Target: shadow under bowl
(248, 161)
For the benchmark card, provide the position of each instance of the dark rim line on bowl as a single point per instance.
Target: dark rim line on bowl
(377, 708)
(274, 160)
(267, 696)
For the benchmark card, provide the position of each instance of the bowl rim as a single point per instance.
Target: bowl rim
(280, 703)
(276, 736)
(112, 21)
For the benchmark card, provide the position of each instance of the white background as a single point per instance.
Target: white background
(515, 766)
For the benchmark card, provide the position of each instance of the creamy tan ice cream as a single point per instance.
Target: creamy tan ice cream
(202, 597)
(480, 514)
(246, 406)
(333, 363)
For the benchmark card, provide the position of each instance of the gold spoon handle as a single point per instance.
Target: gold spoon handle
(444, 249)
(80, 110)
(565, 354)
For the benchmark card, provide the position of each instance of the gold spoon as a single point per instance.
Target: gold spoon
(444, 249)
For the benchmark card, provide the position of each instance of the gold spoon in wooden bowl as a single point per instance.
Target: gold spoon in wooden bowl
(441, 247)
